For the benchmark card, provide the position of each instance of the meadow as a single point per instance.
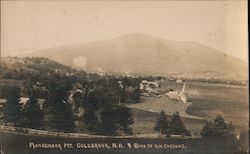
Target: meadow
(206, 102)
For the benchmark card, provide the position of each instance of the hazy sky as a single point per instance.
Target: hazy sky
(28, 26)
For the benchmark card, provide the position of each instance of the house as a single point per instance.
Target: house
(149, 88)
(23, 101)
(144, 85)
(178, 81)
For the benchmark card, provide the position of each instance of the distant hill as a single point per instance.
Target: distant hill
(36, 67)
(33, 65)
(148, 55)
(20, 71)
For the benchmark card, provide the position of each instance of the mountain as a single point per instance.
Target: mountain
(148, 55)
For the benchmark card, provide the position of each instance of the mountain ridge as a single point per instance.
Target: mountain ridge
(146, 54)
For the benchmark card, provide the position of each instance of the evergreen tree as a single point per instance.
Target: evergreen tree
(220, 127)
(114, 118)
(12, 108)
(217, 128)
(177, 126)
(207, 130)
(162, 124)
(124, 119)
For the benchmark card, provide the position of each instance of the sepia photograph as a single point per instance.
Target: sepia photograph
(124, 77)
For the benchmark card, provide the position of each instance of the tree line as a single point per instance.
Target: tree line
(217, 128)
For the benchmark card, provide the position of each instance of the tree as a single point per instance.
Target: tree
(177, 126)
(162, 125)
(124, 119)
(90, 119)
(108, 122)
(135, 96)
(114, 118)
(207, 130)
(220, 127)
(12, 108)
(32, 114)
(61, 116)
(217, 128)
(219, 132)
(78, 100)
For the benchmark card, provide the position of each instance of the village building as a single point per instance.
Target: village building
(22, 102)
(176, 95)
(149, 88)
(178, 81)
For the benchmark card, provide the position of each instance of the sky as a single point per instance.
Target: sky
(27, 26)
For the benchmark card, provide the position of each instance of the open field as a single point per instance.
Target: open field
(207, 102)
(163, 103)
(145, 122)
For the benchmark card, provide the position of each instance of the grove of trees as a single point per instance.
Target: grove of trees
(217, 128)
(173, 126)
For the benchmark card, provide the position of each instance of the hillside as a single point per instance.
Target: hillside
(34, 65)
(17, 71)
(29, 63)
(148, 55)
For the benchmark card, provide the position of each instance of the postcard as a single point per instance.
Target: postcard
(142, 77)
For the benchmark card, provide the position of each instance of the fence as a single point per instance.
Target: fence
(52, 133)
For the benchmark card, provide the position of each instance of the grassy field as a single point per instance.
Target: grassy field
(145, 122)
(207, 102)
(232, 103)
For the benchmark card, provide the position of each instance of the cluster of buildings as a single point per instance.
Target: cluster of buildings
(149, 88)
(154, 89)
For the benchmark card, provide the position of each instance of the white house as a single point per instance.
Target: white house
(23, 101)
